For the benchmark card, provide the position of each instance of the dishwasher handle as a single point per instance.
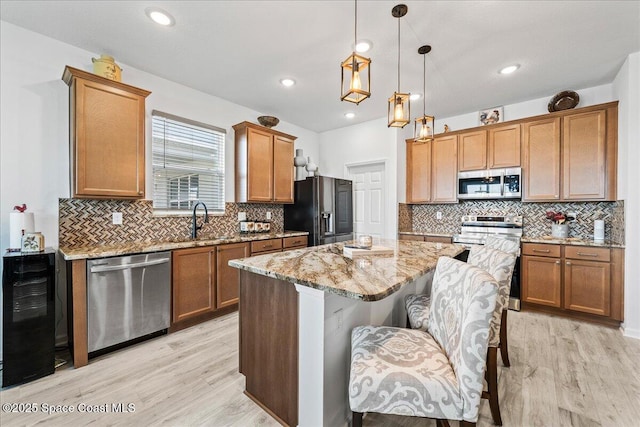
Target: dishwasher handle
(105, 268)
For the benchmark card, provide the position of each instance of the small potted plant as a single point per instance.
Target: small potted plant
(560, 224)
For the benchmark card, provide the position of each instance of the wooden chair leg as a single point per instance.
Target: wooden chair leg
(492, 385)
(504, 350)
(442, 423)
(467, 424)
(356, 419)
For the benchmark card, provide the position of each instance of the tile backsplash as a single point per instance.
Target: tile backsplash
(423, 217)
(85, 222)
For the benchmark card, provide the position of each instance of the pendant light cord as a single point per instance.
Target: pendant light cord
(355, 26)
(424, 84)
(398, 55)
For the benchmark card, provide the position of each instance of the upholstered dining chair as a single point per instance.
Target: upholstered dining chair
(500, 265)
(436, 373)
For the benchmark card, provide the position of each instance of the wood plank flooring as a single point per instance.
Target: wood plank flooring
(563, 373)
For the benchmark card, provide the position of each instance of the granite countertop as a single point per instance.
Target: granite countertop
(426, 233)
(99, 251)
(368, 278)
(573, 241)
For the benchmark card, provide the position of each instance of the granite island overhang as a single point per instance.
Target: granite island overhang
(297, 310)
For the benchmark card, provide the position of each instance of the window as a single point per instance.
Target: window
(188, 164)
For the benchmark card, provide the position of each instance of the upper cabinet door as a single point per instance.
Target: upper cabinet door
(504, 146)
(418, 172)
(444, 174)
(541, 166)
(260, 165)
(107, 137)
(584, 156)
(282, 169)
(472, 151)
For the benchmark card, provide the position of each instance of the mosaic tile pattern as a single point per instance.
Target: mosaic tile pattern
(534, 219)
(85, 222)
(404, 217)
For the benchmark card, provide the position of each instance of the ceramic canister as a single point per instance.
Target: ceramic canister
(106, 67)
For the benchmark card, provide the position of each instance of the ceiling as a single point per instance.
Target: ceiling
(239, 50)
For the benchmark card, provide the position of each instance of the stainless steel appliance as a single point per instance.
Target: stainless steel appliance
(490, 184)
(128, 297)
(474, 231)
(323, 206)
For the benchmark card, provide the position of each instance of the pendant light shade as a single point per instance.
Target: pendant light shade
(423, 126)
(399, 109)
(356, 72)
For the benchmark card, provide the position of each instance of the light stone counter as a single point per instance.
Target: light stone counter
(367, 278)
(573, 241)
(100, 251)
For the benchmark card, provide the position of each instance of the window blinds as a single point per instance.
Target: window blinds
(188, 164)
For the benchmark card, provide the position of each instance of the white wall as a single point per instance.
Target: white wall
(365, 142)
(626, 87)
(34, 123)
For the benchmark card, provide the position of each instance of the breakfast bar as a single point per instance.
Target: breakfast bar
(297, 310)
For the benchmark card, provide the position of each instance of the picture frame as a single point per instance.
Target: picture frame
(32, 242)
(491, 116)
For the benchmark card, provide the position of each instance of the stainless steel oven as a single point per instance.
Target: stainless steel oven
(474, 231)
(490, 184)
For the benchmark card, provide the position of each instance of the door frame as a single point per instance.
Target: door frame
(385, 164)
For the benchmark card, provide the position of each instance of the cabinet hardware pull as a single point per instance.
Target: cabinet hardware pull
(586, 254)
(557, 262)
(267, 246)
(568, 262)
(546, 251)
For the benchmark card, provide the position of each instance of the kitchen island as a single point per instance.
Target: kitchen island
(297, 310)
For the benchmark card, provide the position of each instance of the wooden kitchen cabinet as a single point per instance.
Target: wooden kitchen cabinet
(227, 278)
(264, 164)
(425, 238)
(574, 279)
(495, 147)
(107, 137)
(260, 247)
(432, 170)
(295, 242)
(194, 274)
(472, 148)
(571, 156)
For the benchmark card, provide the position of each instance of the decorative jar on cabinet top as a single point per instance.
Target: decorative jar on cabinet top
(105, 66)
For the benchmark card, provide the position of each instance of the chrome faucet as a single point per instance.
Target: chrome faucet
(194, 227)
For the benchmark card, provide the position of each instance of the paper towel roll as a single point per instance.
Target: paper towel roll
(19, 222)
(598, 230)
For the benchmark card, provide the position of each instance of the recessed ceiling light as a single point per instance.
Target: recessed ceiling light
(287, 82)
(363, 46)
(350, 115)
(415, 96)
(160, 16)
(510, 69)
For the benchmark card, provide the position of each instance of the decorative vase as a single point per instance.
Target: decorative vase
(106, 67)
(311, 167)
(560, 231)
(300, 162)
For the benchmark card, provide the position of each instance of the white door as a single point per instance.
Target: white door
(368, 199)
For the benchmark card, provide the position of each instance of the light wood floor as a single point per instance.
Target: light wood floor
(563, 373)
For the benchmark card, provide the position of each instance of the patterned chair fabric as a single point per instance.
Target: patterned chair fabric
(500, 265)
(436, 374)
(418, 310)
(510, 246)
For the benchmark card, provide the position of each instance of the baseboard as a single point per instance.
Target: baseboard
(630, 332)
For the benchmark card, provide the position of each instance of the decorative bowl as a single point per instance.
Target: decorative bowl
(565, 100)
(268, 121)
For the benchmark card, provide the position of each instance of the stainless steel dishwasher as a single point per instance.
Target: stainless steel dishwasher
(128, 297)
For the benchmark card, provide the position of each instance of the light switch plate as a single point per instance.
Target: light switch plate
(242, 216)
(116, 218)
(438, 215)
(268, 215)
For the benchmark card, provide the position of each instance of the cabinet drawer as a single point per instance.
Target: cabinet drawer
(270, 245)
(294, 242)
(437, 239)
(411, 237)
(541, 249)
(587, 253)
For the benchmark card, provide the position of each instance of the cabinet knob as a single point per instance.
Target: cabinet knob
(555, 195)
(139, 193)
(568, 262)
(558, 262)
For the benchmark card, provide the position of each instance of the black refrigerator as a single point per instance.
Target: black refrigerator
(323, 206)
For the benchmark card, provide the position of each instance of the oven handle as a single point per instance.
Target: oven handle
(105, 268)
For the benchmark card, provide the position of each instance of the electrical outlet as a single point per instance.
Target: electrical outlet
(242, 216)
(573, 215)
(116, 218)
(438, 215)
(268, 215)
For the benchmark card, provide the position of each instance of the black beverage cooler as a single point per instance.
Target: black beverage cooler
(28, 322)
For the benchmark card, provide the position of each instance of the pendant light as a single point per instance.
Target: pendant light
(398, 111)
(423, 129)
(356, 72)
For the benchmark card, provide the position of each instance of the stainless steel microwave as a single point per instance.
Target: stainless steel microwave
(490, 184)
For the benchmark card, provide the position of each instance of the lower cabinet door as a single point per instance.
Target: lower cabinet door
(227, 278)
(541, 280)
(587, 286)
(193, 279)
